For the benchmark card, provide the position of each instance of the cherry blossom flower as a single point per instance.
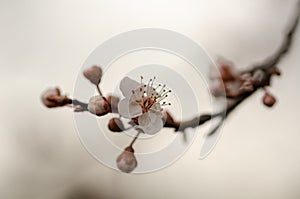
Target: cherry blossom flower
(143, 104)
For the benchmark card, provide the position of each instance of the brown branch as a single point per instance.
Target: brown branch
(84, 106)
(269, 69)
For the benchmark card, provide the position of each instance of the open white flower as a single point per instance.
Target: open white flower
(144, 103)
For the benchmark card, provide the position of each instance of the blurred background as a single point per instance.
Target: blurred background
(43, 43)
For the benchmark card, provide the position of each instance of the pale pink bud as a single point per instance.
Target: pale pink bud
(258, 75)
(115, 125)
(227, 72)
(98, 105)
(126, 161)
(52, 98)
(94, 74)
(247, 86)
(113, 102)
(217, 88)
(269, 100)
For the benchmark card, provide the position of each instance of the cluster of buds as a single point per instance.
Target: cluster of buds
(52, 98)
(98, 105)
(231, 84)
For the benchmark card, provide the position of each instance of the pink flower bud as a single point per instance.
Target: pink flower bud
(258, 76)
(113, 102)
(98, 105)
(115, 125)
(269, 100)
(247, 86)
(227, 73)
(94, 74)
(52, 98)
(126, 161)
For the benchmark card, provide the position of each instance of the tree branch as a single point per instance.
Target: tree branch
(268, 67)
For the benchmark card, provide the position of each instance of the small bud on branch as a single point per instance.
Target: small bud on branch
(52, 98)
(126, 161)
(98, 105)
(94, 74)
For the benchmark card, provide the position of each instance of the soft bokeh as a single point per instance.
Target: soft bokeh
(43, 43)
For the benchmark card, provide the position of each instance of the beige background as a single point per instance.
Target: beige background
(43, 43)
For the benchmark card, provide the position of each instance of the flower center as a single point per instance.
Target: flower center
(150, 97)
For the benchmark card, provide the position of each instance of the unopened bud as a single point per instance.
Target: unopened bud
(52, 98)
(98, 105)
(247, 86)
(227, 73)
(269, 100)
(258, 76)
(126, 161)
(115, 125)
(113, 102)
(94, 74)
(217, 88)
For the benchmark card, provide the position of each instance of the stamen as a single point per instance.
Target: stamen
(161, 98)
(162, 90)
(153, 81)
(141, 93)
(157, 86)
(148, 86)
(142, 83)
(164, 93)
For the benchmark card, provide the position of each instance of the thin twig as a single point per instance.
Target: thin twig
(98, 89)
(135, 138)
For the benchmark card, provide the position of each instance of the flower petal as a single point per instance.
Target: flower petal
(135, 109)
(144, 120)
(129, 109)
(127, 85)
(135, 96)
(123, 108)
(151, 123)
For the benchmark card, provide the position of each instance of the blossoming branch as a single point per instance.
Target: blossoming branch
(144, 102)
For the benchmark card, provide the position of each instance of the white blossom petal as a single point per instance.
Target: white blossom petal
(127, 85)
(135, 109)
(136, 96)
(151, 123)
(129, 109)
(144, 120)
